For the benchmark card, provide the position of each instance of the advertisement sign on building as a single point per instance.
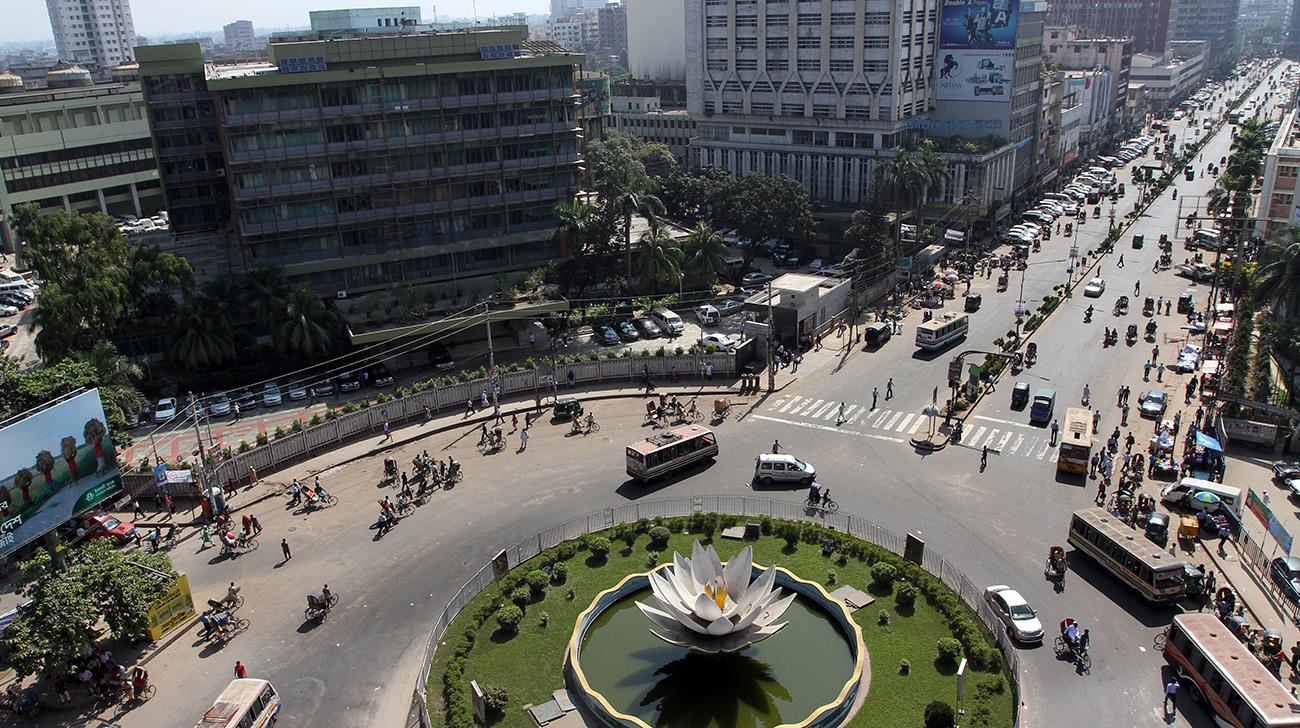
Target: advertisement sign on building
(978, 24)
(966, 75)
(56, 463)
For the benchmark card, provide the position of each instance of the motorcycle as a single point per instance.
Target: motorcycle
(1087, 315)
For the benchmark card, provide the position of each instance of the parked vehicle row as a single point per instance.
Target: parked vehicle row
(271, 394)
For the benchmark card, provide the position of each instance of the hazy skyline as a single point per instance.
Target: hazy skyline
(29, 20)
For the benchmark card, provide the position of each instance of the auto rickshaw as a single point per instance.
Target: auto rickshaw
(973, 301)
(1096, 211)
(1031, 354)
(1002, 282)
(1188, 528)
(1148, 305)
(1069, 229)
(1157, 530)
(1121, 306)
(567, 408)
(1020, 395)
(1186, 302)
(1132, 334)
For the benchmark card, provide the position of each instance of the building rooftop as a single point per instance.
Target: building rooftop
(802, 282)
(43, 94)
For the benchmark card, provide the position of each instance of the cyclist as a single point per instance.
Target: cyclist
(814, 493)
(591, 421)
(139, 681)
(826, 497)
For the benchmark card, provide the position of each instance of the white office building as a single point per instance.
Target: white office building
(95, 34)
(371, 19)
(656, 39)
(239, 35)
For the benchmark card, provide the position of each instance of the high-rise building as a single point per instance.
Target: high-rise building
(1212, 20)
(1277, 206)
(1072, 48)
(656, 39)
(95, 35)
(1292, 47)
(612, 31)
(239, 35)
(362, 162)
(565, 8)
(372, 20)
(1146, 21)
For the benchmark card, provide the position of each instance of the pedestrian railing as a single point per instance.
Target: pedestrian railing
(335, 432)
(734, 505)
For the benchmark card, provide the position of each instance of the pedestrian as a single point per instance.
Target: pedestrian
(252, 521)
(1171, 695)
(839, 418)
(248, 523)
(1120, 264)
(137, 509)
(1168, 305)
(889, 389)
(1092, 465)
(240, 671)
(206, 535)
(708, 370)
(1295, 658)
(469, 407)
(171, 505)
(537, 402)
(776, 446)
(984, 458)
(1056, 429)
(514, 422)
(284, 546)
(388, 435)
(61, 689)
(235, 409)
(1146, 372)
(1155, 354)
(483, 399)
(1223, 540)
(1087, 394)
(875, 395)
(1101, 493)
(523, 439)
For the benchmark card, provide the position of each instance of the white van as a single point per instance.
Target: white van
(668, 321)
(1181, 493)
(708, 315)
(19, 287)
(772, 468)
(8, 276)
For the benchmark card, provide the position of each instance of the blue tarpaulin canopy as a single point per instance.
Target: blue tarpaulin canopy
(1207, 442)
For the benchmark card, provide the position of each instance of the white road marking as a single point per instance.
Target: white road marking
(777, 403)
(822, 410)
(1003, 442)
(893, 420)
(916, 426)
(903, 425)
(883, 414)
(1033, 443)
(853, 411)
(1056, 453)
(828, 428)
(809, 408)
(976, 437)
(1020, 439)
(1043, 452)
(994, 419)
(992, 434)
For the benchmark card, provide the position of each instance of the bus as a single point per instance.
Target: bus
(1232, 684)
(1128, 555)
(1076, 441)
(943, 330)
(661, 454)
(245, 703)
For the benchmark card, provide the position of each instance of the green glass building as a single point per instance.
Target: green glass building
(359, 163)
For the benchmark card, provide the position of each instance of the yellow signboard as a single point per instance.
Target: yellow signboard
(174, 607)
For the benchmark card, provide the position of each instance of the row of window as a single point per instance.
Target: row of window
(446, 265)
(806, 20)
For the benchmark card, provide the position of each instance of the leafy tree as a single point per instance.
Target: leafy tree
(660, 258)
(708, 253)
(690, 195)
(309, 329)
(97, 584)
(761, 207)
(874, 249)
(632, 195)
(21, 390)
(1277, 280)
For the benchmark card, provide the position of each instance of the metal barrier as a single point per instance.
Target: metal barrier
(732, 505)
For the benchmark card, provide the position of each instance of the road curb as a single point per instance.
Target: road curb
(1214, 558)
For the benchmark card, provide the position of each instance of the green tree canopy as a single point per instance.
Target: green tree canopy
(22, 390)
(874, 248)
(659, 259)
(309, 329)
(761, 207)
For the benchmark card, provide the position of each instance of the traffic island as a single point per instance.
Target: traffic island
(914, 633)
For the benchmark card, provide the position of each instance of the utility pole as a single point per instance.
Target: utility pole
(492, 360)
(771, 341)
(198, 437)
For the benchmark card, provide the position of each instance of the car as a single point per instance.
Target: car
(606, 335)
(379, 375)
(271, 395)
(296, 391)
(1153, 404)
(164, 410)
(648, 328)
(719, 341)
(1188, 359)
(626, 331)
(1095, 288)
(754, 278)
(16, 299)
(133, 419)
(1286, 574)
(103, 525)
(728, 306)
(348, 382)
(440, 357)
(8, 330)
(792, 261)
(246, 399)
(1071, 208)
(1020, 619)
(816, 265)
(834, 271)
(1195, 271)
(219, 404)
(323, 388)
(1286, 469)
(6, 310)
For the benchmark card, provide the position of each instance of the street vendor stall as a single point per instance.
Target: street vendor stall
(1205, 459)
(1161, 462)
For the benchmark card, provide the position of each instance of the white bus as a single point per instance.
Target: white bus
(942, 331)
(1128, 555)
(659, 455)
(245, 703)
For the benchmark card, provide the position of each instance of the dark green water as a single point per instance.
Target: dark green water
(779, 680)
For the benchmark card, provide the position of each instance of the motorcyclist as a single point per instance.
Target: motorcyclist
(1087, 315)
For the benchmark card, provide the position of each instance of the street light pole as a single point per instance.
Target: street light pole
(771, 341)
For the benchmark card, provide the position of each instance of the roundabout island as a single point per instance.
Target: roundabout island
(620, 628)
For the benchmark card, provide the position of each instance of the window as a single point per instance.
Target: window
(760, 108)
(875, 41)
(876, 18)
(778, 20)
(716, 21)
(844, 66)
(792, 109)
(746, 64)
(746, 44)
(823, 111)
(717, 64)
(778, 64)
(813, 43)
(773, 42)
(810, 64)
(746, 21)
(841, 18)
(808, 19)
(716, 44)
(840, 42)
(1287, 170)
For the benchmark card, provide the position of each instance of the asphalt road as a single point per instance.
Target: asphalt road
(357, 667)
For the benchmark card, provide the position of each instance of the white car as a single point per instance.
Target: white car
(164, 410)
(1188, 359)
(720, 341)
(1021, 620)
(7, 310)
(219, 404)
(270, 395)
(1095, 288)
(1153, 404)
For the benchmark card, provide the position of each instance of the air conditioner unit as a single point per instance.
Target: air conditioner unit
(341, 294)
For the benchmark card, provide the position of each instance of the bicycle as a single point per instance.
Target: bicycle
(317, 609)
(1078, 656)
(825, 504)
(143, 696)
(404, 509)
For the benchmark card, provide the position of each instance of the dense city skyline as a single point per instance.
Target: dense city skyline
(28, 20)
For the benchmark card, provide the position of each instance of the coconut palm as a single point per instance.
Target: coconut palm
(660, 258)
(23, 479)
(111, 368)
(265, 292)
(1277, 280)
(308, 327)
(633, 195)
(204, 338)
(576, 219)
(708, 256)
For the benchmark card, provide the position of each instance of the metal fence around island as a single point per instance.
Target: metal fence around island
(732, 505)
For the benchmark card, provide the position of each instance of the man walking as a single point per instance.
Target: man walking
(235, 409)
(253, 524)
(839, 418)
(889, 389)
(523, 439)
(875, 395)
(1171, 695)
(984, 458)
(138, 510)
(1155, 354)
(1056, 430)
(284, 547)
(776, 446)
(240, 670)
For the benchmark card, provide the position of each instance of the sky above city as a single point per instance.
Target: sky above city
(29, 20)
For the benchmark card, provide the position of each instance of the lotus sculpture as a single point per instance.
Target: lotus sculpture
(707, 607)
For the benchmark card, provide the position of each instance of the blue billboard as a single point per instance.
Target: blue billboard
(978, 24)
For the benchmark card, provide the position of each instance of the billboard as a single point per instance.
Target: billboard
(978, 25)
(54, 463)
(966, 75)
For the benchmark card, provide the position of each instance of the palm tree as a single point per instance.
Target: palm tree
(633, 195)
(708, 259)
(660, 258)
(308, 328)
(265, 291)
(1277, 280)
(111, 368)
(205, 338)
(576, 219)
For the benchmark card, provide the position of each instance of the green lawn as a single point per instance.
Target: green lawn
(529, 665)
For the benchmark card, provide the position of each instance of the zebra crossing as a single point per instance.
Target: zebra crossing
(1010, 439)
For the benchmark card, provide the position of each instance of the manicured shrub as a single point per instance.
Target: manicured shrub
(939, 714)
(949, 649)
(566, 551)
(883, 574)
(537, 580)
(832, 577)
(509, 617)
(906, 595)
(559, 572)
(521, 596)
(659, 537)
(599, 547)
(882, 619)
(495, 697)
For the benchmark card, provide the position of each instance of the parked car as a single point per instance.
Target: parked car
(103, 525)
(296, 391)
(271, 395)
(648, 328)
(1285, 469)
(440, 357)
(1286, 574)
(8, 330)
(7, 310)
(219, 404)
(348, 382)
(380, 376)
(720, 341)
(1095, 288)
(323, 389)
(728, 306)
(754, 278)
(246, 399)
(1153, 404)
(164, 410)
(1020, 619)
(606, 335)
(1195, 271)
(626, 331)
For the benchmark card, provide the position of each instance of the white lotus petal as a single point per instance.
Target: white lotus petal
(706, 609)
(736, 573)
(662, 619)
(686, 583)
(756, 591)
(775, 611)
(665, 592)
(715, 563)
(700, 570)
(720, 626)
(756, 611)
